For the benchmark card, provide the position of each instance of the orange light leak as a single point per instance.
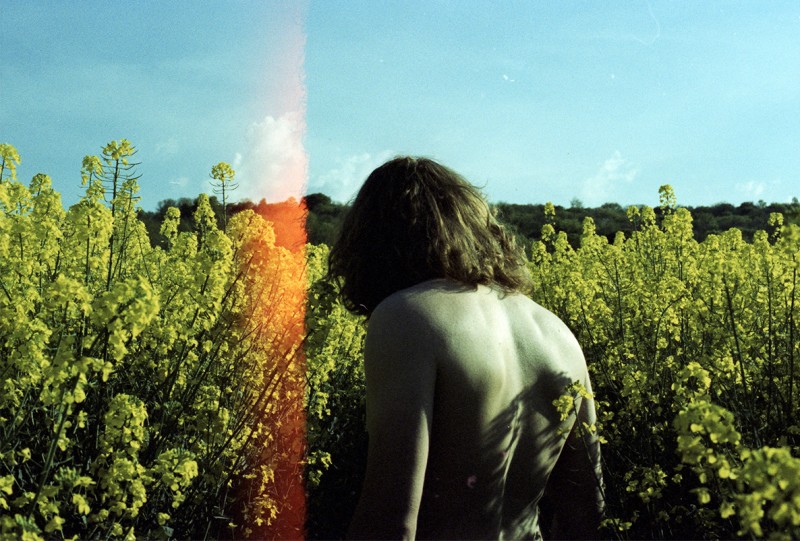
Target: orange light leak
(286, 453)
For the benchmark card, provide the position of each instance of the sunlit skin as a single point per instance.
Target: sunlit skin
(463, 435)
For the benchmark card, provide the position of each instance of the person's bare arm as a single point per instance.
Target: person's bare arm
(575, 485)
(400, 376)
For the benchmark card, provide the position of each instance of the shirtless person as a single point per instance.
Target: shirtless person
(461, 370)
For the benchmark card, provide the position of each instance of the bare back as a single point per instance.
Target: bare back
(485, 368)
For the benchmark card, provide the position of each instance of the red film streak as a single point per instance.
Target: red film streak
(284, 265)
(288, 220)
(284, 420)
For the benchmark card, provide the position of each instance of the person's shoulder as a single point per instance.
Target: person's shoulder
(547, 319)
(540, 325)
(421, 300)
(428, 312)
(401, 310)
(405, 327)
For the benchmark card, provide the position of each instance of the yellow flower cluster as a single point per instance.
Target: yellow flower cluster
(694, 351)
(147, 390)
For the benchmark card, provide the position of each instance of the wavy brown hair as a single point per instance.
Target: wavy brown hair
(415, 220)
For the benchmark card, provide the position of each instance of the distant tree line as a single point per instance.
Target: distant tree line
(526, 221)
(324, 217)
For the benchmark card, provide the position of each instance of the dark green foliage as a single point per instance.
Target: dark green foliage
(325, 217)
(526, 221)
(153, 219)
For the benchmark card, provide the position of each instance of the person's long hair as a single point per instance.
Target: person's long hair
(415, 220)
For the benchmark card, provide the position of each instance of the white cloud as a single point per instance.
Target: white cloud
(170, 147)
(275, 165)
(751, 189)
(180, 181)
(601, 187)
(342, 182)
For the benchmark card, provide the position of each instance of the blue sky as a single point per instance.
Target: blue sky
(533, 101)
